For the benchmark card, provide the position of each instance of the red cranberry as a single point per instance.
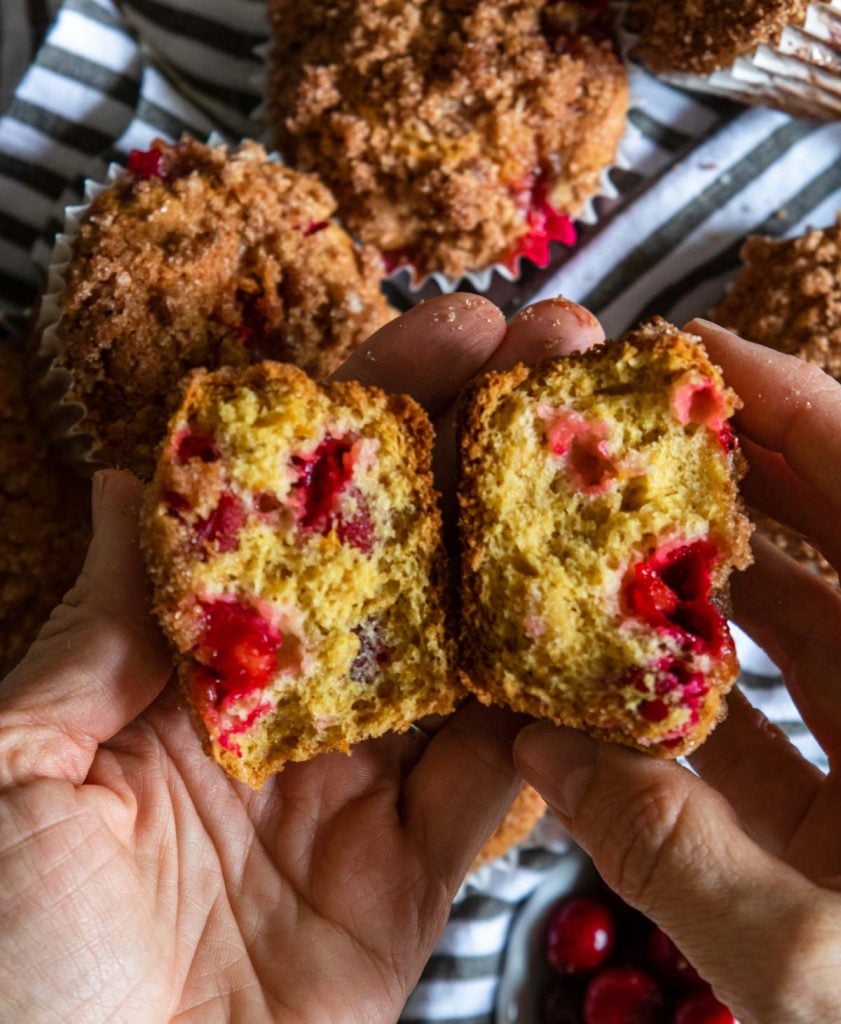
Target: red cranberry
(323, 477)
(192, 445)
(315, 226)
(622, 995)
(393, 259)
(146, 163)
(238, 647)
(545, 222)
(176, 503)
(223, 524)
(580, 936)
(704, 1009)
(671, 592)
(670, 965)
(654, 710)
(727, 439)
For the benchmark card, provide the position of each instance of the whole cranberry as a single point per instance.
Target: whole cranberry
(669, 964)
(562, 1005)
(622, 995)
(703, 1009)
(580, 936)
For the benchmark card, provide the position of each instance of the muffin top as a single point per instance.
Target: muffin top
(788, 296)
(454, 134)
(203, 256)
(703, 35)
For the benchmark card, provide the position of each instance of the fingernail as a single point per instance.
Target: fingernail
(559, 763)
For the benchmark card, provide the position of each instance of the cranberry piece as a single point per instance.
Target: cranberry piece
(393, 259)
(315, 226)
(670, 965)
(580, 936)
(654, 710)
(192, 445)
(671, 591)
(323, 477)
(176, 503)
(237, 647)
(727, 439)
(545, 223)
(704, 1009)
(223, 524)
(146, 163)
(622, 995)
(372, 655)
(359, 530)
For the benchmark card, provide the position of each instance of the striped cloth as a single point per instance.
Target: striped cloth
(697, 176)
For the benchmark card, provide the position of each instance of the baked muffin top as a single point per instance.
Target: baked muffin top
(454, 134)
(204, 256)
(703, 35)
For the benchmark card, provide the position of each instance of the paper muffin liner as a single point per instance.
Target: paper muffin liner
(405, 277)
(64, 417)
(800, 74)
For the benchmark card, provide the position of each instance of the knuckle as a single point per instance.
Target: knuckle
(640, 839)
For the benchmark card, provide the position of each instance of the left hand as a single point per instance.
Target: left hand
(139, 883)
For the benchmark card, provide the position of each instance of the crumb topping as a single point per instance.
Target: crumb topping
(451, 132)
(203, 256)
(703, 35)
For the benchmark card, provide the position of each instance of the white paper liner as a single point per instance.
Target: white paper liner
(61, 416)
(801, 74)
(480, 280)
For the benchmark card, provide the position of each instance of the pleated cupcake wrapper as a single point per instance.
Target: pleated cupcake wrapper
(405, 277)
(801, 74)
(63, 416)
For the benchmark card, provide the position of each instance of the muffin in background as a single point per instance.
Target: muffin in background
(44, 520)
(780, 53)
(788, 297)
(526, 811)
(455, 136)
(196, 256)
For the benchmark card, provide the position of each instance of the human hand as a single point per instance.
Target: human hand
(139, 883)
(742, 865)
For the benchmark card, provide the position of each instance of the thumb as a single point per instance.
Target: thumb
(671, 846)
(97, 663)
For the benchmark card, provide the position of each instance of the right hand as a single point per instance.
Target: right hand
(742, 865)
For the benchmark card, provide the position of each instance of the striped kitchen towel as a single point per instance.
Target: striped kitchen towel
(700, 175)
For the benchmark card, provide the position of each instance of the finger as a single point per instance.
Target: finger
(98, 662)
(772, 487)
(671, 846)
(761, 774)
(791, 406)
(430, 352)
(554, 327)
(462, 787)
(795, 616)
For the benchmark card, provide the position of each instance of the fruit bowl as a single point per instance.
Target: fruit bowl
(577, 954)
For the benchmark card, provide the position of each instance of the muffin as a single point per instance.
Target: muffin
(517, 825)
(293, 538)
(44, 520)
(600, 520)
(783, 53)
(455, 135)
(788, 297)
(196, 256)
